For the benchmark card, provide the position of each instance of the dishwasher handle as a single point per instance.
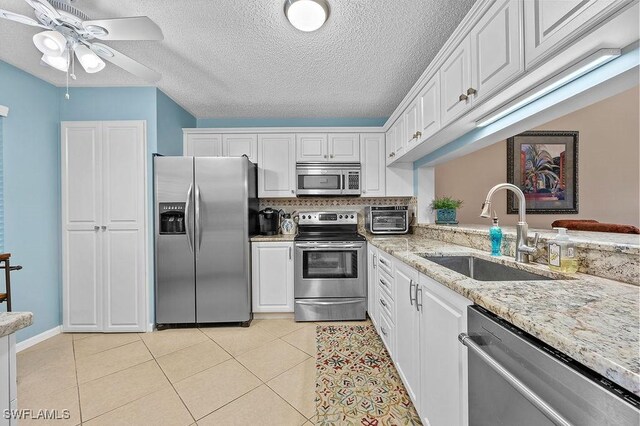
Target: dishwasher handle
(523, 389)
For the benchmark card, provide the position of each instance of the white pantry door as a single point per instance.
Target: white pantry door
(104, 229)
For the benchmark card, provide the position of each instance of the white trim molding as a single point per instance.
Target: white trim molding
(25, 344)
(4, 111)
(231, 130)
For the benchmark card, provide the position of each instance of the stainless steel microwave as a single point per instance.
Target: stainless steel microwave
(328, 179)
(387, 219)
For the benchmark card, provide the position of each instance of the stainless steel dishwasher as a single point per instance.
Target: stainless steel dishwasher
(515, 379)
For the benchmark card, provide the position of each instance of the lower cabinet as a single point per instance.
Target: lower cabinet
(8, 397)
(272, 276)
(421, 333)
(372, 279)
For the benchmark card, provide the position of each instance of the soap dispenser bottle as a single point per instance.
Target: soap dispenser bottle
(562, 253)
(495, 233)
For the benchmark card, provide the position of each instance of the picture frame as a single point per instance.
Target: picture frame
(544, 165)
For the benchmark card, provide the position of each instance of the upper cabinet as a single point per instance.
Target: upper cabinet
(238, 145)
(456, 95)
(412, 130)
(276, 165)
(203, 144)
(332, 147)
(549, 24)
(372, 149)
(497, 56)
(429, 101)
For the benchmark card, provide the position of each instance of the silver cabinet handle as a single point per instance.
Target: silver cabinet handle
(104, 227)
(187, 214)
(325, 156)
(418, 300)
(463, 97)
(384, 283)
(523, 389)
(471, 91)
(411, 284)
(374, 262)
(289, 253)
(345, 302)
(331, 156)
(96, 227)
(383, 303)
(383, 262)
(293, 192)
(383, 330)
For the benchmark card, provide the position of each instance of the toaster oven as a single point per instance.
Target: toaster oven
(387, 219)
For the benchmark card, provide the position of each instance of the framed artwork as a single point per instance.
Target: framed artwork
(544, 164)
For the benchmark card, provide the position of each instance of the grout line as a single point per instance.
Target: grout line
(75, 370)
(108, 349)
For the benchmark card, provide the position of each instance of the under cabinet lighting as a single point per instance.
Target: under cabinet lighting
(590, 63)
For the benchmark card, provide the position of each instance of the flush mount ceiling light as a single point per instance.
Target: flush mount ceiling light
(306, 15)
(50, 43)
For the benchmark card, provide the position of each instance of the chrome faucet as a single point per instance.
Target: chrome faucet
(523, 250)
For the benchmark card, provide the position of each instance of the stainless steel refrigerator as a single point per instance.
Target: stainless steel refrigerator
(205, 213)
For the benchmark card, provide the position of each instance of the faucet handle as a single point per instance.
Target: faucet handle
(536, 238)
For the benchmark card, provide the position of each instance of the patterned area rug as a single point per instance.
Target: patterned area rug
(356, 381)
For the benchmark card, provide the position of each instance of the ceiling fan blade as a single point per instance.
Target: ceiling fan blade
(45, 7)
(125, 62)
(133, 28)
(16, 17)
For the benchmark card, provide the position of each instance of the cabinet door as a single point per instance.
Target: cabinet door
(276, 165)
(272, 277)
(123, 225)
(412, 124)
(399, 180)
(311, 147)
(401, 137)
(372, 280)
(443, 389)
(429, 110)
(344, 147)
(81, 157)
(203, 145)
(455, 81)
(550, 24)
(390, 144)
(407, 329)
(373, 164)
(497, 48)
(239, 145)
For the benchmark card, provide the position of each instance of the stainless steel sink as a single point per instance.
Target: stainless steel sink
(484, 270)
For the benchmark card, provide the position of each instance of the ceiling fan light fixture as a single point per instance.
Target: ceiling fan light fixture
(88, 59)
(50, 43)
(306, 15)
(60, 63)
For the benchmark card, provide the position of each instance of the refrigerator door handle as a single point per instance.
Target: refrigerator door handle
(187, 213)
(198, 232)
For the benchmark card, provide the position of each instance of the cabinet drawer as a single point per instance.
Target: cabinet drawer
(385, 263)
(386, 283)
(385, 303)
(387, 332)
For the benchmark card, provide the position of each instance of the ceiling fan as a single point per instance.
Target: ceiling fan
(69, 31)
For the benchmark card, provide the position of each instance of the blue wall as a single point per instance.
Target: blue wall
(32, 195)
(291, 122)
(172, 118)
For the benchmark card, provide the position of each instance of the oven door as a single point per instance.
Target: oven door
(318, 181)
(330, 269)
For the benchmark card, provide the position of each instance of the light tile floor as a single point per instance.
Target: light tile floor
(264, 374)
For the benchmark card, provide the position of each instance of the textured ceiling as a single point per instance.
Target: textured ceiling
(242, 59)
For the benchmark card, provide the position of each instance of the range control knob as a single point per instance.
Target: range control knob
(340, 216)
(351, 216)
(304, 217)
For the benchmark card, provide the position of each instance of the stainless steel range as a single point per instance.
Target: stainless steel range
(330, 267)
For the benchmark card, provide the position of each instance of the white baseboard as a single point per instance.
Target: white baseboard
(273, 315)
(20, 346)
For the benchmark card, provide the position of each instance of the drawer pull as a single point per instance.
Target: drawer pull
(383, 262)
(463, 97)
(383, 303)
(383, 330)
(384, 283)
(471, 91)
(411, 298)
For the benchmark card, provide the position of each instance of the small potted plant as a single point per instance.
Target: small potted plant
(445, 208)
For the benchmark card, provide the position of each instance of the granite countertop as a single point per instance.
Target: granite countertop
(10, 322)
(272, 238)
(593, 320)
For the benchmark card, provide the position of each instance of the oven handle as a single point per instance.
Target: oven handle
(329, 246)
(343, 302)
(523, 389)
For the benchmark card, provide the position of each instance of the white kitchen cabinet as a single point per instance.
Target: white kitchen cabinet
(344, 147)
(408, 319)
(8, 385)
(399, 180)
(429, 112)
(332, 147)
(455, 83)
(443, 386)
(276, 165)
(237, 145)
(104, 232)
(372, 282)
(203, 145)
(550, 24)
(497, 50)
(372, 153)
(412, 130)
(311, 147)
(272, 276)
(396, 140)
